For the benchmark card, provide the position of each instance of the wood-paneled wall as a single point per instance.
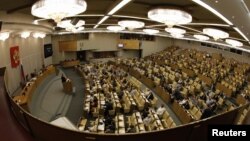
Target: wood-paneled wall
(67, 46)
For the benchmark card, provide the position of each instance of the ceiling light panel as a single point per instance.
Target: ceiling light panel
(118, 6)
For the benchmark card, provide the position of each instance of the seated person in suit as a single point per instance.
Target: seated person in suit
(150, 96)
(185, 103)
(120, 95)
(145, 113)
(108, 106)
(108, 120)
(207, 113)
(94, 103)
(147, 120)
(110, 128)
(210, 101)
(177, 95)
(131, 129)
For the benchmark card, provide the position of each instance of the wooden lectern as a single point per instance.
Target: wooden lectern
(67, 86)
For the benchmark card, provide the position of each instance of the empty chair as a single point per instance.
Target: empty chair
(194, 111)
(198, 115)
(169, 122)
(165, 115)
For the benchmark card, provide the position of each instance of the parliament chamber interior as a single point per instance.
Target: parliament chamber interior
(110, 70)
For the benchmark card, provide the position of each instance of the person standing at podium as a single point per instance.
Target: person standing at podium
(63, 78)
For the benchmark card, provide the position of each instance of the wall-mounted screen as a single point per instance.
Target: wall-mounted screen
(48, 51)
(120, 45)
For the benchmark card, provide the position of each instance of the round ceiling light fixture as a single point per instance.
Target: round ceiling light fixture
(215, 33)
(58, 9)
(174, 30)
(170, 17)
(234, 43)
(131, 24)
(115, 28)
(151, 31)
(201, 37)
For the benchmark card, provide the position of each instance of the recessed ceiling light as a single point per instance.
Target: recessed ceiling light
(216, 1)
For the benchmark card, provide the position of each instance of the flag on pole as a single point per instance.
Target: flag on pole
(23, 79)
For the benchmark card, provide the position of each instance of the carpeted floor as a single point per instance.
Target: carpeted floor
(49, 101)
(75, 110)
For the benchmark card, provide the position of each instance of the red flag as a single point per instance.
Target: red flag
(14, 56)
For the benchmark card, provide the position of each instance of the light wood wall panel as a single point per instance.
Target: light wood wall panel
(67, 46)
(130, 44)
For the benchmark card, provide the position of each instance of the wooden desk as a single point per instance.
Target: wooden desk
(205, 79)
(240, 99)
(26, 94)
(67, 64)
(228, 92)
(181, 113)
(164, 95)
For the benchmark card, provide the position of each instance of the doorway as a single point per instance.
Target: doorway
(81, 55)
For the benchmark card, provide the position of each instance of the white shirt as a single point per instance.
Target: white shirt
(160, 111)
(147, 121)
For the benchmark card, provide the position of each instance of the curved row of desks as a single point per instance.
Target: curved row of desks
(41, 130)
(24, 98)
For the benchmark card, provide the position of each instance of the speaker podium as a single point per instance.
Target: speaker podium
(67, 86)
